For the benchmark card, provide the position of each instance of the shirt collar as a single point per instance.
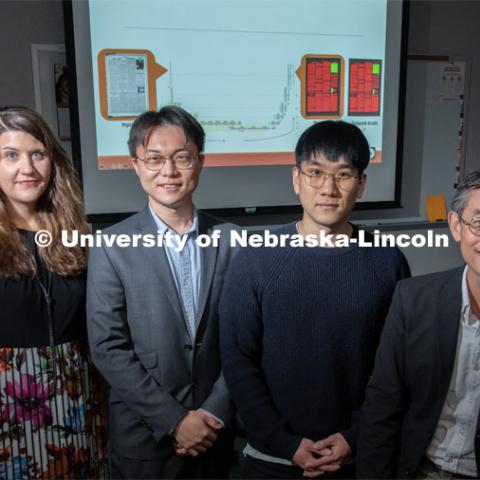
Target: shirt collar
(162, 227)
(466, 314)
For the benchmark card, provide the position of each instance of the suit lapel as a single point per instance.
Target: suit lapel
(447, 332)
(209, 260)
(158, 257)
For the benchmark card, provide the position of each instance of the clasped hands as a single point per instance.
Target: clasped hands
(324, 456)
(195, 433)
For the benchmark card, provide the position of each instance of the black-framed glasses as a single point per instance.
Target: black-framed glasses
(316, 178)
(473, 226)
(181, 160)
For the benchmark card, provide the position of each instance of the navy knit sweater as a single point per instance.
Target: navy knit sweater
(299, 328)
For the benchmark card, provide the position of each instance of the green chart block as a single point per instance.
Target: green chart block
(376, 68)
(334, 67)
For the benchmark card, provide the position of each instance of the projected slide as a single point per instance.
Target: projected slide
(364, 90)
(127, 83)
(322, 86)
(254, 73)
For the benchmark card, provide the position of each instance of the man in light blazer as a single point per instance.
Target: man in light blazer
(421, 414)
(152, 316)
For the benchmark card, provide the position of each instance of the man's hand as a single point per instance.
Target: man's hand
(183, 452)
(304, 455)
(179, 450)
(332, 451)
(195, 433)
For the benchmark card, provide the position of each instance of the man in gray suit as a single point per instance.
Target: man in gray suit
(152, 316)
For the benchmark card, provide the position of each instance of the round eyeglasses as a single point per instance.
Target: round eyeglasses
(316, 178)
(473, 226)
(181, 161)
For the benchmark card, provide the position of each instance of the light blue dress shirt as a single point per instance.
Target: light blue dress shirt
(186, 268)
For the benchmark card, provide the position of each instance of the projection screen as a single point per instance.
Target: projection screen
(254, 73)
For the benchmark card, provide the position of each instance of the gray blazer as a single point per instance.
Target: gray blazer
(140, 342)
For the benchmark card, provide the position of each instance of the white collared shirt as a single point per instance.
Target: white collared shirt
(453, 444)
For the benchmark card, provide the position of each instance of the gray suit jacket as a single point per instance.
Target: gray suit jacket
(140, 342)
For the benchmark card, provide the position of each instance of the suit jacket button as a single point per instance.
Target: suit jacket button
(188, 347)
(194, 385)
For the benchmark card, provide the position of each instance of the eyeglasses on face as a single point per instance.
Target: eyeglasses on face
(316, 178)
(181, 160)
(473, 226)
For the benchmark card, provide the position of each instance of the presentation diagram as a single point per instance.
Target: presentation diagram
(364, 92)
(127, 83)
(321, 78)
(253, 86)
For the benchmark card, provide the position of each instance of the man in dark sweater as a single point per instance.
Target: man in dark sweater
(299, 327)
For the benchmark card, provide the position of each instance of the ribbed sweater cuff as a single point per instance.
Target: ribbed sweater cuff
(351, 438)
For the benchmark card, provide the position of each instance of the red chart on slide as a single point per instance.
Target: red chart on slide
(364, 87)
(323, 87)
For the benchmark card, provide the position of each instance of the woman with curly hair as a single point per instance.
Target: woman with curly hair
(51, 422)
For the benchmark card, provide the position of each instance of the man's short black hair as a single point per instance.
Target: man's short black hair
(169, 115)
(334, 139)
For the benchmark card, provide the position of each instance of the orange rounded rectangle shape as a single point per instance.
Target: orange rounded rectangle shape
(154, 70)
(317, 73)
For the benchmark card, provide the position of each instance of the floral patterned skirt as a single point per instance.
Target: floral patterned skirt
(52, 414)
